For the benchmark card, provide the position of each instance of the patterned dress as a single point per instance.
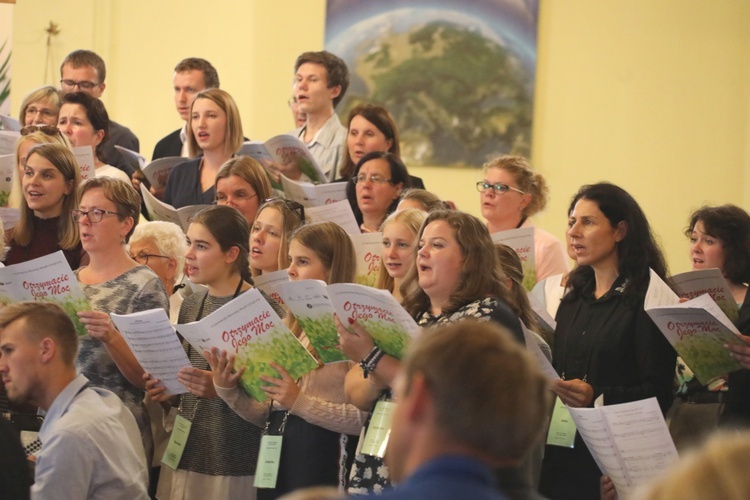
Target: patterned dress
(369, 473)
(137, 289)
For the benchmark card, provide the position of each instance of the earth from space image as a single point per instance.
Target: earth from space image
(459, 92)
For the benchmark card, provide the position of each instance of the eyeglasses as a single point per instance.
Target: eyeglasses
(45, 112)
(94, 215)
(45, 129)
(374, 178)
(142, 257)
(295, 207)
(496, 188)
(84, 85)
(239, 197)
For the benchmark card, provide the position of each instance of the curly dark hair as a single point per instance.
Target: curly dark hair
(731, 225)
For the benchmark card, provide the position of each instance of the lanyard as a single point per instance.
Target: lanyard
(268, 421)
(203, 302)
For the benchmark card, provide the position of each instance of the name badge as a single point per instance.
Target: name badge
(376, 437)
(267, 470)
(177, 442)
(562, 428)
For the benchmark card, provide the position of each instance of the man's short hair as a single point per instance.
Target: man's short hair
(80, 58)
(336, 70)
(210, 75)
(45, 319)
(487, 391)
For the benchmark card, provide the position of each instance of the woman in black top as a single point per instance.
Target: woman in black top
(605, 343)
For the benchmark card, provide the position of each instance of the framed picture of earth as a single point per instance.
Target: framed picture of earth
(457, 75)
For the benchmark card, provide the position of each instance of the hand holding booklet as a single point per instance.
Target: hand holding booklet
(314, 304)
(46, 279)
(695, 283)
(285, 150)
(697, 329)
(249, 328)
(155, 344)
(630, 442)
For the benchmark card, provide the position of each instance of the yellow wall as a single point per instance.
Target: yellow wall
(651, 95)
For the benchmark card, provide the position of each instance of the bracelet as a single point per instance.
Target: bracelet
(371, 361)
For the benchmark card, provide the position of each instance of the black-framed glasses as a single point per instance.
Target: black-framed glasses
(94, 215)
(374, 178)
(498, 188)
(142, 257)
(83, 85)
(45, 129)
(294, 206)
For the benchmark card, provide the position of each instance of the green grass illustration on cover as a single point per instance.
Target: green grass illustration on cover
(308, 301)
(522, 241)
(46, 279)
(249, 328)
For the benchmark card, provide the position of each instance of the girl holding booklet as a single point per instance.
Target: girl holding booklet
(107, 213)
(242, 183)
(313, 415)
(400, 232)
(277, 219)
(605, 343)
(222, 449)
(214, 134)
(49, 184)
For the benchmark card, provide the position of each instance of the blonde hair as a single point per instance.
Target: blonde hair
(48, 93)
(233, 136)
(37, 137)
(291, 221)
(716, 470)
(528, 181)
(67, 230)
(412, 220)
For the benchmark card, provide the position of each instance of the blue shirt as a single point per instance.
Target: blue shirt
(91, 448)
(447, 477)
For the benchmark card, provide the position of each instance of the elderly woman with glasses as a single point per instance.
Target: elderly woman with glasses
(375, 188)
(511, 192)
(40, 107)
(161, 246)
(107, 213)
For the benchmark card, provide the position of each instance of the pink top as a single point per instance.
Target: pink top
(549, 253)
